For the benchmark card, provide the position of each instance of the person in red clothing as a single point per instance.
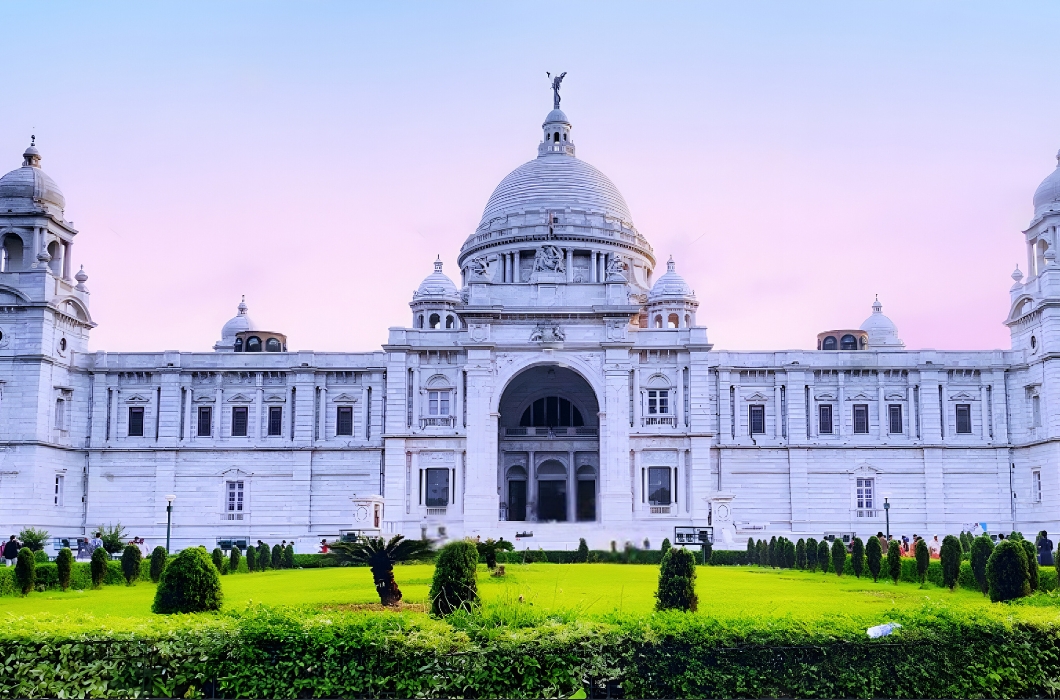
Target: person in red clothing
(324, 547)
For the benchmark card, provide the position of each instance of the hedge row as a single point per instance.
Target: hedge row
(265, 653)
(80, 576)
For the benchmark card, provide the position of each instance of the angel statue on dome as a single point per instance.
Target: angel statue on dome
(555, 87)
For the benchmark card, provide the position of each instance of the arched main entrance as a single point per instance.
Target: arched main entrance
(549, 458)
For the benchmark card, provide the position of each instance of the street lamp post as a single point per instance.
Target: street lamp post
(169, 518)
(887, 515)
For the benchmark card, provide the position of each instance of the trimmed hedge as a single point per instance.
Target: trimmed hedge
(272, 653)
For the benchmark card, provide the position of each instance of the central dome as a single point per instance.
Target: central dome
(556, 182)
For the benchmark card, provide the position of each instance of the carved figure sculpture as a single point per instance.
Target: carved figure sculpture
(616, 270)
(479, 267)
(555, 89)
(546, 332)
(549, 258)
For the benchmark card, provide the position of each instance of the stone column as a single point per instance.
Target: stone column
(323, 418)
(616, 496)
(570, 265)
(592, 267)
(482, 501)
(218, 406)
(515, 272)
(841, 411)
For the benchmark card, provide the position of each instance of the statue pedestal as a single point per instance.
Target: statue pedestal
(721, 517)
(549, 277)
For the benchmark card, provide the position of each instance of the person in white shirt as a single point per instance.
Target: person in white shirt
(935, 547)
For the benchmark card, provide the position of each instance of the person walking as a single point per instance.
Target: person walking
(11, 548)
(95, 543)
(935, 547)
(1045, 549)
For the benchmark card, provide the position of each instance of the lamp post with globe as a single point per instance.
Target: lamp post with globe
(887, 513)
(169, 518)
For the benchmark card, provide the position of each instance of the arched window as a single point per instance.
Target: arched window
(551, 412)
(273, 345)
(435, 321)
(688, 321)
(450, 322)
(829, 343)
(11, 254)
(56, 263)
(419, 321)
(564, 137)
(848, 342)
(673, 321)
(253, 344)
(555, 137)
(658, 321)
(239, 345)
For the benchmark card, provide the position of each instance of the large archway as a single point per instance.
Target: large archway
(549, 446)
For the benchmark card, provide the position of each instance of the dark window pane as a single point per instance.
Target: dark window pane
(272, 345)
(275, 420)
(516, 500)
(585, 507)
(577, 422)
(344, 420)
(539, 413)
(964, 418)
(136, 422)
(552, 411)
(253, 344)
(526, 420)
(437, 488)
(564, 412)
(861, 418)
(659, 486)
(757, 419)
(205, 421)
(895, 411)
(825, 426)
(239, 421)
(829, 343)
(848, 342)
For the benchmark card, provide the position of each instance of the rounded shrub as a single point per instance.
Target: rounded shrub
(857, 556)
(665, 546)
(950, 556)
(1032, 563)
(276, 558)
(824, 556)
(923, 559)
(40, 556)
(288, 557)
(811, 554)
(583, 550)
(677, 581)
(98, 566)
(264, 557)
(982, 548)
(800, 554)
(874, 557)
(252, 558)
(64, 566)
(25, 570)
(839, 556)
(190, 583)
(217, 557)
(1006, 571)
(158, 562)
(455, 586)
(130, 563)
(894, 560)
(233, 559)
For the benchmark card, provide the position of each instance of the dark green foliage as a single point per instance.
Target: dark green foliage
(33, 538)
(288, 557)
(113, 537)
(800, 554)
(894, 560)
(874, 557)
(380, 556)
(966, 542)
(1032, 563)
(982, 548)
(857, 556)
(455, 586)
(790, 554)
(233, 559)
(583, 549)
(158, 562)
(190, 583)
(923, 558)
(771, 558)
(217, 556)
(26, 570)
(487, 551)
(950, 556)
(130, 563)
(276, 558)
(64, 565)
(40, 556)
(264, 557)
(665, 547)
(1006, 571)
(763, 553)
(252, 558)
(1015, 535)
(811, 554)
(752, 551)
(824, 556)
(100, 557)
(726, 557)
(839, 556)
(677, 581)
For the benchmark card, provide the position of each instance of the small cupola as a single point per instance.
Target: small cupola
(671, 302)
(434, 302)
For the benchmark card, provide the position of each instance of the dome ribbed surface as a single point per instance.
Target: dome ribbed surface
(28, 184)
(555, 182)
(1047, 196)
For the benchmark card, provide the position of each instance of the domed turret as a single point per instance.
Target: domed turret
(1047, 196)
(29, 187)
(434, 302)
(237, 324)
(671, 302)
(882, 332)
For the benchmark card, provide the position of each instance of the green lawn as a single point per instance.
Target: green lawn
(724, 592)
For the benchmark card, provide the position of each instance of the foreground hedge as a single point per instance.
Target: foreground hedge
(264, 653)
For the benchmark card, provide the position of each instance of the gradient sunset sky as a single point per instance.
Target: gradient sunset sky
(796, 159)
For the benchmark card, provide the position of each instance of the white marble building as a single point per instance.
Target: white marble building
(562, 389)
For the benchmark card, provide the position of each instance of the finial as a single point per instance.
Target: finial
(670, 264)
(81, 278)
(555, 87)
(242, 305)
(33, 141)
(1017, 275)
(877, 307)
(438, 264)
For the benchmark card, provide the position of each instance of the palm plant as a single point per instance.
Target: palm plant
(380, 556)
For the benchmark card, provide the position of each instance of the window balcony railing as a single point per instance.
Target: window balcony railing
(438, 422)
(659, 510)
(868, 513)
(558, 431)
(436, 510)
(660, 420)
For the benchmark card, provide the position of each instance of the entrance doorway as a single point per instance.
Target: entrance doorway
(585, 508)
(552, 492)
(516, 493)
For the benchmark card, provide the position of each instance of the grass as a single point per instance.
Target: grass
(587, 589)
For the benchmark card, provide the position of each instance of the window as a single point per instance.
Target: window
(1036, 486)
(136, 421)
(234, 500)
(275, 420)
(673, 321)
(60, 414)
(866, 497)
(894, 413)
(658, 401)
(344, 420)
(239, 421)
(60, 482)
(824, 418)
(659, 486)
(848, 342)
(5, 259)
(253, 344)
(861, 419)
(1036, 412)
(964, 418)
(437, 488)
(239, 345)
(829, 343)
(756, 419)
(205, 421)
(435, 321)
(551, 412)
(438, 403)
(273, 345)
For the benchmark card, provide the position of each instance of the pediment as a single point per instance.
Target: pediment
(137, 398)
(757, 397)
(861, 396)
(963, 396)
(240, 398)
(864, 468)
(345, 398)
(204, 398)
(826, 396)
(275, 398)
(894, 396)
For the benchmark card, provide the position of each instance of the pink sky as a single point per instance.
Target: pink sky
(796, 160)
